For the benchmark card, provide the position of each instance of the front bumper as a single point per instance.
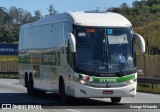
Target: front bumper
(84, 91)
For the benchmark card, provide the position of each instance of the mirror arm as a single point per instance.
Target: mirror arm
(141, 42)
(72, 42)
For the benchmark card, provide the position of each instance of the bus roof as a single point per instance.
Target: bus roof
(97, 19)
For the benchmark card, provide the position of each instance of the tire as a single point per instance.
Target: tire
(26, 80)
(30, 89)
(116, 99)
(62, 92)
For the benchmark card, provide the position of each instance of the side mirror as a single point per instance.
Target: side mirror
(72, 42)
(141, 42)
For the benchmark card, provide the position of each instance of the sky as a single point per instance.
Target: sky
(63, 5)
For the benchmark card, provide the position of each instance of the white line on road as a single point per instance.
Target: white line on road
(73, 110)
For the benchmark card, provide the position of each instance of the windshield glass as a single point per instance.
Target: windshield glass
(104, 50)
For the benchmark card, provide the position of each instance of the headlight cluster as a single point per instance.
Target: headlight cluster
(83, 79)
(131, 81)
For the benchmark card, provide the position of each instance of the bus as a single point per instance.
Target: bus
(83, 54)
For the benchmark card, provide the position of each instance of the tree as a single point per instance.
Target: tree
(114, 9)
(144, 10)
(3, 16)
(13, 13)
(11, 20)
(155, 8)
(124, 6)
(124, 9)
(152, 2)
(27, 17)
(52, 10)
(37, 16)
(139, 4)
(20, 16)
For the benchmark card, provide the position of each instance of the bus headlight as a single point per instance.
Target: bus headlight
(131, 81)
(84, 79)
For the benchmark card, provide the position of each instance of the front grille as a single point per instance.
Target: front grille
(107, 85)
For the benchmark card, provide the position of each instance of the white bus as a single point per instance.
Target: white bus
(80, 54)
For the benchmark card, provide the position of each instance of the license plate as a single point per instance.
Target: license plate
(107, 92)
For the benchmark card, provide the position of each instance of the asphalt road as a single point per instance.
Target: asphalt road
(11, 92)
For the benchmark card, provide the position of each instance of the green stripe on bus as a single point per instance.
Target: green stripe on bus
(114, 79)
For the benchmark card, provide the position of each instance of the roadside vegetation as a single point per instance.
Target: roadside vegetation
(8, 58)
(12, 18)
(153, 36)
(9, 76)
(148, 88)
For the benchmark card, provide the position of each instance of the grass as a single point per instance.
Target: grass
(8, 58)
(153, 33)
(147, 88)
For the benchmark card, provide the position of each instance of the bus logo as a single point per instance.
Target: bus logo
(81, 34)
(49, 58)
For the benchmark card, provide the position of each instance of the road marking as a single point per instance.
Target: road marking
(73, 110)
(124, 102)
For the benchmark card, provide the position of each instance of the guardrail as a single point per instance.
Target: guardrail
(149, 80)
(152, 81)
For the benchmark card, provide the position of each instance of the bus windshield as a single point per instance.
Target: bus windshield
(104, 50)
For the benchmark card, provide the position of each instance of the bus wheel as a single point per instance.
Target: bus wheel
(26, 80)
(62, 91)
(30, 88)
(116, 99)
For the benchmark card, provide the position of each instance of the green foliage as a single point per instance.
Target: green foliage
(136, 14)
(37, 15)
(144, 85)
(13, 18)
(148, 88)
(153, 34)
